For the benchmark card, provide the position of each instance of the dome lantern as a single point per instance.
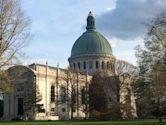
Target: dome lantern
(91, 51)
(90, 22)
(91, 41)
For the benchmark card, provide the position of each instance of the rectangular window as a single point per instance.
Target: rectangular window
(52, 109)
(74, 66)
(52, 94)
(97, 64)
(20, 88)
(74, 95)
(63, 94)
(83, 95)
(79, 66)
(84, 65)
(90, 64)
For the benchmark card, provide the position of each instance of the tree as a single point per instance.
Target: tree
(31, 103)
(103, 97)
(122, 67)
(96, 93)
(126, 73)
(14, 31)
(14, 34)
(71, 93)
(4, 82)
(5, 87)
(103, 86)
(23, 79)
(150, 87)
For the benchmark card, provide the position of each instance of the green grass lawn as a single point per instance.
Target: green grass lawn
(140, 122)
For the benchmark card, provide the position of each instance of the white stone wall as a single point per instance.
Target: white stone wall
(92, 58)
(123, 93)
(46, 77)
(43, 77)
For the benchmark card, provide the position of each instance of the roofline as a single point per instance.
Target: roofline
(72, 71)
(52, 67)
(22, 66)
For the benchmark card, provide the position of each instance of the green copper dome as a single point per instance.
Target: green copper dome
(91, 42)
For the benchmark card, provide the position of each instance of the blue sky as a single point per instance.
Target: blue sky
(56, 24)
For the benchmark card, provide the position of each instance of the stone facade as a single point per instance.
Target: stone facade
(22, 81)
(92, 63)
(55, 86)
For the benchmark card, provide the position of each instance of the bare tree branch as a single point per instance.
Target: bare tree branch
(14, 31)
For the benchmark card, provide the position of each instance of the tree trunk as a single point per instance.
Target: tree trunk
(71, 110)
(160, 119)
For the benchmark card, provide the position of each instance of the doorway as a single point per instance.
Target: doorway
(20, 107)
(1, 108)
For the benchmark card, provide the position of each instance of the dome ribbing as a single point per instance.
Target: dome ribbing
(91, 41)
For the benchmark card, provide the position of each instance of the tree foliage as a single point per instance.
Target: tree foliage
(122, 67)
(4, 82)
(150, 87)
(103, 97)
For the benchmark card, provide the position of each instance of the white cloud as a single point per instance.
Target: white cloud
(109, 8)
(125, 50)
(128, 56)
(113, 42)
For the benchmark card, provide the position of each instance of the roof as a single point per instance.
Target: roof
(91, 41)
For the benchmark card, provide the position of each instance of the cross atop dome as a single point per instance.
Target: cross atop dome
(90, 13)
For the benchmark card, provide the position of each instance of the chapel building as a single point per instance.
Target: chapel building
(43, 92)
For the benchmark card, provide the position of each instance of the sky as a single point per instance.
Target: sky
(56, 24)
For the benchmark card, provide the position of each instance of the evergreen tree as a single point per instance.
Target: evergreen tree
(104, 97)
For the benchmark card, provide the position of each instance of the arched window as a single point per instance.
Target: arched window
(97, 64)
(52, 93)
(84, 65)
(79, 65)
(103, 65)
(108, 65)
(112, 66)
